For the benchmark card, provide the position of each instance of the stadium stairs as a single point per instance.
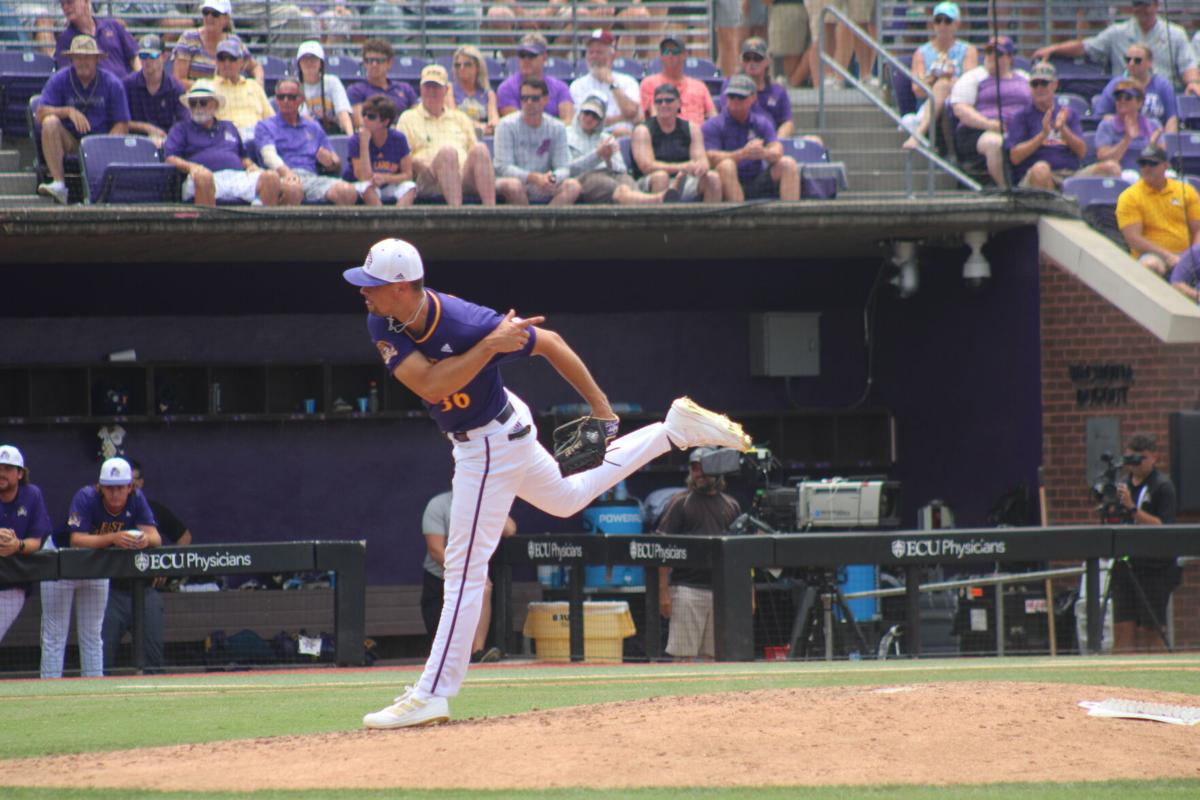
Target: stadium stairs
(18, 182)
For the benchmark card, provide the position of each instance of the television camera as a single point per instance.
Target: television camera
(1104, 490)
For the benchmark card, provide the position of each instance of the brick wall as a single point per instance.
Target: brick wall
(1080, 327)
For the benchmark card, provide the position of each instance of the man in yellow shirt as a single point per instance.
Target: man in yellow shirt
(447, 160)
(246, 103)
(1159, 217)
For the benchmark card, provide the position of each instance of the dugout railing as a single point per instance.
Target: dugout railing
(731, 558)
(345, 559)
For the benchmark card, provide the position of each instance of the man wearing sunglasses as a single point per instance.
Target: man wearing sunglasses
(210, 152)
(666, 147)
(378, 58)
(295, 147)
(1158, 216)
(245, 101)
(745, 152)
(696, 102)
(153, 94)
(531, 62)
(119, 51)
(1173, 56)
(532, 157)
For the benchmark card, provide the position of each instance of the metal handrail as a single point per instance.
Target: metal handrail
(825, 60)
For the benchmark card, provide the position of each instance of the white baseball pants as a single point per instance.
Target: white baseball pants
(490, 470)
(11, 603)
(90, 598)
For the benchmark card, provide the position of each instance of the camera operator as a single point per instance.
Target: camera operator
(1141, 587)
(685, 595)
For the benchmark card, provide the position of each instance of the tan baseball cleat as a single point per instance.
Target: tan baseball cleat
(409, 711)
(690, 425)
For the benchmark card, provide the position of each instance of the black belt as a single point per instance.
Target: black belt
(504, 416)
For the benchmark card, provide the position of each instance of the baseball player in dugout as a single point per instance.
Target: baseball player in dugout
(449, 352)
(685, 595)
(24, 524)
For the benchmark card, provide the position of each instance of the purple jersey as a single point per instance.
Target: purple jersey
(162, 109)
(88, 514)
(383, 159)
(453, 327)
(218, 147)
(26, 514)
(403, 95)
(111, 37)
(772, 101)
(1160, 102)
(725, 134)
(1053, 151)
(509, 93)
(296, 144)
(103, 102)
(1109, 134)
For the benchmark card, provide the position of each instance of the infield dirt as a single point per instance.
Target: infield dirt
(956, 733)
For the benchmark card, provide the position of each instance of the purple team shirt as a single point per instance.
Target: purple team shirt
(1015, 96)
(219, 147)
(772, 101)
(103, 103)
(1054, 150)
(162, 109)
(1187, 270)
(454, 326)
(509, 93)
(88, 514)
(296, 144)
(403, 95)
(1160, 102)
(111, 37)
(1109, 134)
(26, 514)
(726, 134)
(383, 159)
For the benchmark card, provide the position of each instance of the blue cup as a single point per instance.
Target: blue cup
(362, 405)
(310, 406)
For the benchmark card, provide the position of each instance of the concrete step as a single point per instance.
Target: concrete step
(891, 158)
(10, 161)
(842, 140)
(24, 200)
(892, 181)
(18, 183)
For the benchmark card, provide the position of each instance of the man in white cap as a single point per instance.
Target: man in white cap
(449, 352)
(78, 101)
(109, 513)
(24, 523)
(210, 152)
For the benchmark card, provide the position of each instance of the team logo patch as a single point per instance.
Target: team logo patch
(142, 562)
(446, 348)
(386, 351)
(73, 521)
(21, 512)
(898, 548)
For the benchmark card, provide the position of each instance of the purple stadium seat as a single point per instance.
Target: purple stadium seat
(408, 69)
(906, 100)
(34, 131)
(805, 151)
(341, 146)
(345, 67)
(273, 69)
(629, 66)
(1083, 78)
(1184, 150)
(1189, 111)
(560, 68)
(126, 169)
(22, 75)
(1094, 191)
(1089, 138)
(626, 144)
(1081, 106)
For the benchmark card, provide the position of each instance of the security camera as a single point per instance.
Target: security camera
(907, 278)
(976, 270)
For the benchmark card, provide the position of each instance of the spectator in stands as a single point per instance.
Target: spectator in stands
(693, 94)
(841, 39)
(447, 159)
(118, 615)
(473, 93)
(597, 163)
(1158, 216)
(531, 56)
(727, 21)
(1160, 103)
(666, 146)
(1173, 56)
(196, 51)
(618, 90)
(31, 23)
(80, 100)
(939, 63)
(685, 595)
(1141, 587)
(117, 47)
(1121, 137)
(772, 99)
(294, 146)
(435, 525)
(378, 58)
(244, 102)
(1185, 276)
(24, 524)
(532, 157)
(210, 152)
(1045, 141)
(153, 95)
(379, 163)
(788, 39)
(110, 513)
(742, 147)
(325, 98)
(985, 100)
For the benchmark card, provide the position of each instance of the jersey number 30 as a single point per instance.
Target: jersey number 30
(457, 400)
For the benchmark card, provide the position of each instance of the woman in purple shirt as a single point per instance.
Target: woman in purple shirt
(1160, 101)
(772, 99)
(1122, 136)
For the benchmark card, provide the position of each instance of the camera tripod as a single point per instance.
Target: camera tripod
(820, 583)
(1159, 627)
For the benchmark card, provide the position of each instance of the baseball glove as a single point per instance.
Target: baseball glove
(580, 444)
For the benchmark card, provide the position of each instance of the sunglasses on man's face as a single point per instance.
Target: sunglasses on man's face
(671, 51)
(752, 57)
(226, 57)
(1037, 84)
(208, 12)
(942, 19)
(287, 96)
(375, 60)
(1126, 96)
(524, 56)
(198, 102)
(1133, 59)
(149, 56)
(663, 101)
(1143, 164)
(531, 98)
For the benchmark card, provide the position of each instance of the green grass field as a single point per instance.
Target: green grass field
(75, 716)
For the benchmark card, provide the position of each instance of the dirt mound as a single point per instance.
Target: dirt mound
(923, 734)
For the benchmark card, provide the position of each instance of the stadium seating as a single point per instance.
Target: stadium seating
(1073, 101)
(629, 66)
(273, 69)
(1189, 111)
(1083, 78)
(560, 68)
(341, 146)
(626, 143)
(126, 169)
(408, 69)
(347, 68)
(694, 67)
(22, 75)
(1184, 150)
(1089, 138)
(1094, 191)
(906, 100)
(34, 131)
(805, 151)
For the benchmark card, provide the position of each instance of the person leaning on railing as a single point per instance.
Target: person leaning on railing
(196, 51)
(24, 524)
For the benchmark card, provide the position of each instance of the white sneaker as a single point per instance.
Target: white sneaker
(409, 711)
(56, 190)
(689, 425)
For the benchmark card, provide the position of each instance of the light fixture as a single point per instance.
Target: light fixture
(976, 270)
(907, 278)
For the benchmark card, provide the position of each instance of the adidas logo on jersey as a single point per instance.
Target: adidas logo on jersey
(446, 348)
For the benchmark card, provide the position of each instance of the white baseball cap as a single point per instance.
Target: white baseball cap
(11, 456)
(220, 6)
(311, 48)
(389, 261)
(116, 472)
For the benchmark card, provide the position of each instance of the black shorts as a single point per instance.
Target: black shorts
(1157, 579)
(761, 186)
(965, 141)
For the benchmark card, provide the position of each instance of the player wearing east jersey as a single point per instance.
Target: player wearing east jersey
(109, 514)
(24, 523)
(448, 352)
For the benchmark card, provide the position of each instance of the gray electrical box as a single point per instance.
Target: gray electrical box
(1103, 436)
(785, 344)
